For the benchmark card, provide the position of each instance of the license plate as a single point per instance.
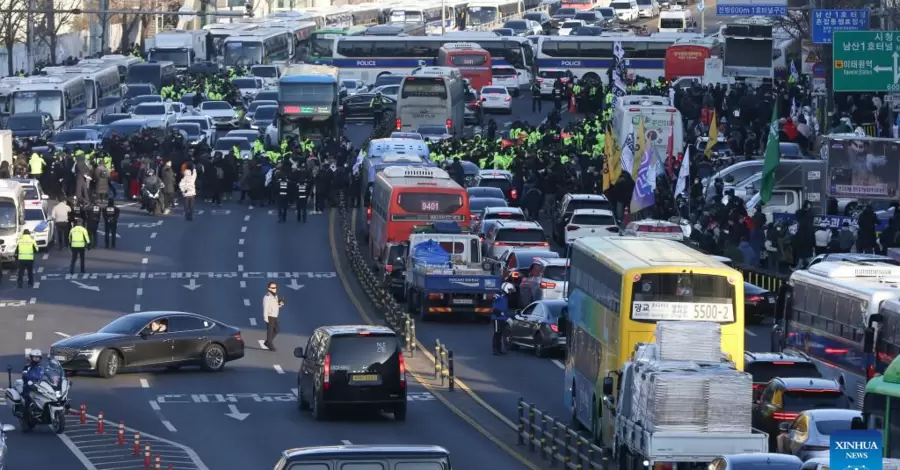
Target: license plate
(771, 301)
(364, 378)
(59, 358)
(463, 301)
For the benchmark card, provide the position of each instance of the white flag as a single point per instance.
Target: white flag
(628, 155)
(685, 173)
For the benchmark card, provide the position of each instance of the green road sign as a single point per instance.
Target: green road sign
(866, 61)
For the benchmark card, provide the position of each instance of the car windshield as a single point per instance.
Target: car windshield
(525, 258)
(201, 122)
(606, 12)
(505, 31)
(432, 130)
(70, 135)
(554, 74)
(138, 90)
(149, 110)
(214, 105)
(593, 219)
(124, 326)
(502, 184)
(32, 215)
(516, 25)
(802, 400)
(125, 129)
(556, 310)
(586, 16)
(485, 192)
(361, 352)
(53, 373)
(245, 83)
(620, 5)
(266, 112)
(493, 91)
(23, 123)
(565, 12)
(265, 72)
(226, 143)
(829, 427)
(111, 118)
(571, 24)
(189, 128)
(148, 99)
(555, 273)
(350, 85)
(763, 372)
(477, 205)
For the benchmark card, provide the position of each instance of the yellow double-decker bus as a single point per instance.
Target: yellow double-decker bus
(619, 288)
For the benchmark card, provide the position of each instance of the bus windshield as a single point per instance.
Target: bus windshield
(47, 101)
(243, 53)
(321, 93)
(180, 57)
(482, 15)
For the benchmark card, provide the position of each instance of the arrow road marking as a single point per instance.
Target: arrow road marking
(294, 285)
(234, 413)
(192, 285)
(85, 286)
(104, 233)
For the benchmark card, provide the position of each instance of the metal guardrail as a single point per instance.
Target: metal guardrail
(557, 442)
(769, 280)
(443, 365)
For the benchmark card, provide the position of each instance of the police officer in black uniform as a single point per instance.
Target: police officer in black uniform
(92, 215)
(282, 194)
(302, 193)
(110, 222)
(536, 105)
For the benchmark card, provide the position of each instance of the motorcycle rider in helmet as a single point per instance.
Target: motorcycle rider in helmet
(31, 374)
(152, 184)
(500, 316)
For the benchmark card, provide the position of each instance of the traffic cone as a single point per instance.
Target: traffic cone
(121, 437)
(100, 423)
(147, 456)
(83, 415)
(137, 444)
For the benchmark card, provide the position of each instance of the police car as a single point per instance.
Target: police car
(34, 194)
(40, 225)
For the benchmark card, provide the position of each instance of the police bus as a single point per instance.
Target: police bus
(432, 96)
(260, 46)
(62, 96)
(430, 14)
(366, 57)
(308, 101)
(102, 85)
(482, 12)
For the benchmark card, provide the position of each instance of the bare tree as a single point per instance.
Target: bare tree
(47, 30)
(11, 29)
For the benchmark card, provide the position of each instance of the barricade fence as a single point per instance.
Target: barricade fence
(443, 365)
(756, 275)
(556, 442)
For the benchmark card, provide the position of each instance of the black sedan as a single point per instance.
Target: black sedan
(486, 191)
(759, 303)
(147, 339)
(359, 106)
(540, 326)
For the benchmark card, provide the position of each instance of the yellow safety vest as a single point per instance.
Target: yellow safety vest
(26, 247)
(35, 164)
(79, 237)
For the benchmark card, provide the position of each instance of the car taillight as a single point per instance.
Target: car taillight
(388, 268)
(548, 285)
(435, 296)
(449, 123)
(572, 228)
(508, 99)
(397, 124)
(402, 371)
(499, 243)
(758, 386)
(838, 351)
(785, 416)
(870, 373)
(554, 328)
(513, 194)
(368, 212)
(238, 336)
(544, 244)
(326, 380)
(754, 298)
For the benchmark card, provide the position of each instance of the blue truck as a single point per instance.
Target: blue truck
(445, 277)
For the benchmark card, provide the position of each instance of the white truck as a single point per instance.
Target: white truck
(660, 117)
(183, 48)
(638, 447)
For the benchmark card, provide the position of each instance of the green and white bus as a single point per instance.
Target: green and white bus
(882, 408)
(322, 42)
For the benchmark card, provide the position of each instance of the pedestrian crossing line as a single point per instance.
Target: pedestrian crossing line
(750, 332)
(46, 256)
(246, 302)
(40, 269)
(37, 284)
(137, 307)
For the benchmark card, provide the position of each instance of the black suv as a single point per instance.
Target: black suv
(348, 365)
(783, 399)
(765, 366)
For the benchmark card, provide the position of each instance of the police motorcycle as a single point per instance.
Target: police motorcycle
(47, 401)
(151, 191)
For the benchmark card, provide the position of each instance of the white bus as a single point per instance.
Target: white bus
(62, 96)
(103, 87)
(430, 14)
(368, 57)
(221, 31)
(483, 12)
(661, 121)
(258, 47)
(432, 96)
(591, 56)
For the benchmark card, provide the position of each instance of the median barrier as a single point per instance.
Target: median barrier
(758, 276)
(443, 365)
(556, 442)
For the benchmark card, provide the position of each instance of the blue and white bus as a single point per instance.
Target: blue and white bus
(259, 46)
(492, 13)
(308, 100)
(62, 96)
(429, 13)
(103, 87)
(368, 57)
(591, 56)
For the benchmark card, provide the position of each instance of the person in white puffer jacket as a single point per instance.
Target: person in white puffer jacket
(823, 238)
(188, 187)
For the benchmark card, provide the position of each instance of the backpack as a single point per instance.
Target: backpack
(220, 174)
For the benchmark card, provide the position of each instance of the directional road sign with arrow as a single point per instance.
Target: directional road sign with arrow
(866, 61)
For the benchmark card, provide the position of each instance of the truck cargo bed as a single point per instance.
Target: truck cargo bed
(669, 446)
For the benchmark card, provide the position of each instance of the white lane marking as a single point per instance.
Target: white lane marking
(240, 268)
(60, 333)
(246, 302)
(40, 269)
(169, 426)
(278, 369)
(246, 218)
(76, 452)
(144, 261)
(137, 307)
(240, 254)
(30, 317)
(558, 364)
(154, 405)
(240, 241)
(243, 284)
(346, 442)
(244, 229)
(37, 284)
(195, 459)
(262, 344)
(140, 291)
(46, 256)
(750, 332)
(32, 300)
(147, 249)
(296, 392)
(145, 383)
(153, 235)
(252, 321)
(27, 336)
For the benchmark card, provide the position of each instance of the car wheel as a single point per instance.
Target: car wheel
(214, 358)
(301, 402)
(539, 349)
(319, 410)
(400, 412)
(108, 363)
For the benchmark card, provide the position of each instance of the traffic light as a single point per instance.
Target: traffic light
(249, 7)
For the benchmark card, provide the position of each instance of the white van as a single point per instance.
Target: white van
(12, 218)
(676, 20)
(626, 10)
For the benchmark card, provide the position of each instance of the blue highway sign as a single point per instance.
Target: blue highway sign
(826, 22)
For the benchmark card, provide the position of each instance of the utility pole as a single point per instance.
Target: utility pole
(29, 33)
(443, 16)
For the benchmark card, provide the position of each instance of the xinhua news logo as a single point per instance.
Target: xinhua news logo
(856, 450)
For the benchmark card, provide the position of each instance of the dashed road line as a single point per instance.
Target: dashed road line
(246, 218)
(240, 268)
(145, 383)
(278, 369)
(240, 241)
(46, 256)
(147, 249)
(262, 344)
(140, 291)
(37, 284)
(246, 302)
(40, 269)
(153, 235)
(60, 333)
(145, 260)
(30, 317)
(240, 254)
(558, 364)
(32, 300)
(243, 284)
(346, 442)
(137, 307)
(27, 336)
(252, 321)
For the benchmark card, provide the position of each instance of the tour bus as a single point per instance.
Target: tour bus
(301, 32)
(662, 122)
(12, 218)
(483, 12)
(589, 57)
(308, 99)
(837, 316)
(366, 58)
(578, 4)
(158, 74)
(881, 410)
(397, 29)
(471, 59)
(258, 47)
(618, 289)
(62, 96)
(432, 96)
(404, 197)
(403, 151)
(373, 167)
(321, 42)
(102, 85)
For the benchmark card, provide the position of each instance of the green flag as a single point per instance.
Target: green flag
(773, 157)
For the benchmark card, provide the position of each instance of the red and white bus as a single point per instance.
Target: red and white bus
(578, 4)
(686, 60)
(406, 196)
(473, 61)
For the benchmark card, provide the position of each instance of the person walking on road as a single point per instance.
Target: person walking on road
(271, 305)
(60, 215)
(188, 187)
(26, 247)
(79, 241)
(110, 222)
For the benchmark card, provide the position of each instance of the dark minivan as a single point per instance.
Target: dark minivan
(387, 457)
(349, 365)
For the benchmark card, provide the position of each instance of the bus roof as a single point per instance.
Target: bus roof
(347, 30)
(381, 147)
(49, 82)
(425, 178)
(878, 281)
(307, 73)
(462, 46)
(626, 253)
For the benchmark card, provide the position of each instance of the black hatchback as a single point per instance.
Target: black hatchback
(351, 365)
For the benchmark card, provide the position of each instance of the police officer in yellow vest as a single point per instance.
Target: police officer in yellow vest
(36, 166)
(26, 247)
(79, 241)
